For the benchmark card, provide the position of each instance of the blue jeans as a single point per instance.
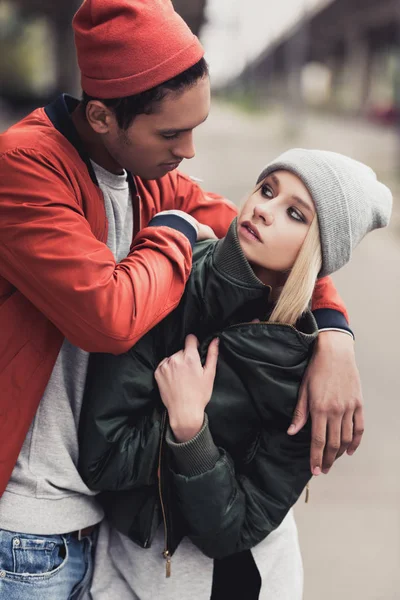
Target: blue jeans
(44, 567)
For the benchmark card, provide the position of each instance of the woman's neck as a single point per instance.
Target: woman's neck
(275, 279)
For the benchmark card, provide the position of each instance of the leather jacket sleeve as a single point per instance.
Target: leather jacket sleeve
(119, 429)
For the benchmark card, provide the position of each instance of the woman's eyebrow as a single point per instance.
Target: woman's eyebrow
(275, 180)
(303, 203)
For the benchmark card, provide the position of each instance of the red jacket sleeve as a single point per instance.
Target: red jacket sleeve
(208, 208)
(49, 253)
(326, 296)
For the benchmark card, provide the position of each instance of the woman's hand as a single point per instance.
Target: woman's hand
(331, 393)
(186, 386)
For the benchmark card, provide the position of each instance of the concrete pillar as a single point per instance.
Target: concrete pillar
(357, 77)
(295, 56)
(335, 64)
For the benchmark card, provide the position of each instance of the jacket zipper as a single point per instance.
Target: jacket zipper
(166, 554)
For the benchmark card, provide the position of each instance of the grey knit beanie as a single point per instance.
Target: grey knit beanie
(349, 199)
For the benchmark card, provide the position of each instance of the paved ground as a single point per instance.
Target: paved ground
(350, 531)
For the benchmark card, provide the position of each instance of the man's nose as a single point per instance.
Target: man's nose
(264, 212)
(185, 147)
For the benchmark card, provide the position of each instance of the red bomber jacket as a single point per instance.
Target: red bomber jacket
(59, 279)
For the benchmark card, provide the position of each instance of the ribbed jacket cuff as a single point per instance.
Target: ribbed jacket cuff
(331, 319)
(196, 456)
(176, 222)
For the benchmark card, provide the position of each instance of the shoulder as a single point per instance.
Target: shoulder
(35, 138)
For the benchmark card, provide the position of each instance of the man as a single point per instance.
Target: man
(79, 181)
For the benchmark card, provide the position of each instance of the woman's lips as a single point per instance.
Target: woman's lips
(250, 231)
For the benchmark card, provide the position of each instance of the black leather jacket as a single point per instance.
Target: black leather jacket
(244, 472)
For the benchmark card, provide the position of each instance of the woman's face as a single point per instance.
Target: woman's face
(274, 222)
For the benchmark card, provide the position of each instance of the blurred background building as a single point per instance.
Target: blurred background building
(340, 55)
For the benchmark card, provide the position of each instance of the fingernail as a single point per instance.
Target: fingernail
(350, 452)
(292, 428)
(217, 341)
(325, 471)
(317, 471)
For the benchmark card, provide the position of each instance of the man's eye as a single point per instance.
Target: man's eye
(170, 136)
(267, 191)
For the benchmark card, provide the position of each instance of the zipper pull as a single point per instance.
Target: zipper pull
(307, 493)
(167, 564)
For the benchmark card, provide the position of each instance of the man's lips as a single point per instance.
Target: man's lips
(252, 230)
(173, 165)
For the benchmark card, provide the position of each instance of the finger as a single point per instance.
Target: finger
(332, 444)
(318, 439)
(211, 233)
(300, 414)
(164, 360)
(347, 433)
(358, 430)
(191, 344)
(210, 367)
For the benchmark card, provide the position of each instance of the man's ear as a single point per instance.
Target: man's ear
(99, 116)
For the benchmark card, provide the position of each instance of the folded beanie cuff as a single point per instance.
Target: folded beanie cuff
(139, 82)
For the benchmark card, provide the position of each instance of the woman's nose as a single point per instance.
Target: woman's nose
(264, 213)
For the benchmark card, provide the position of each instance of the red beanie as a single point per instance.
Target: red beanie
(125, 47)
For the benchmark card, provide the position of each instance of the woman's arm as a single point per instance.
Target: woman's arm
(233, 485)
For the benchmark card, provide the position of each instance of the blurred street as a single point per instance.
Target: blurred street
(350, 530)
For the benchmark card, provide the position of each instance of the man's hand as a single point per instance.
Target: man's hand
(331, 393)
(204, 232)
(186, 386)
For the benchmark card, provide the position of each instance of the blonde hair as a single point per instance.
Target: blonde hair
(299, 286)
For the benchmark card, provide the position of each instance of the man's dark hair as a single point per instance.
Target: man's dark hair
(126, 109)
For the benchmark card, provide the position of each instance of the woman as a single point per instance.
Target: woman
(217, 466)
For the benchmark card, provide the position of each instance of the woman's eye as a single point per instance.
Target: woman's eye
(267, 191)
(295, 214)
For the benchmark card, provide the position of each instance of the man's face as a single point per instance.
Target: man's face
(155, 144)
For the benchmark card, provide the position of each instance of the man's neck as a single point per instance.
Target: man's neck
(93, 143)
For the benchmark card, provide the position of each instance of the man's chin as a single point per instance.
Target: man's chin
(154, 173)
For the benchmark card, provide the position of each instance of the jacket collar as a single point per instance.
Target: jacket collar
(59, 112)
(230, 260)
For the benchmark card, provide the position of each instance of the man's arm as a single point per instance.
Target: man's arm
(49, 253)
(331, 389)
(178, 191)
(334, 393)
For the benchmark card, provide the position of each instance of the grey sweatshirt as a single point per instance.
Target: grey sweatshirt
(46, 494)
